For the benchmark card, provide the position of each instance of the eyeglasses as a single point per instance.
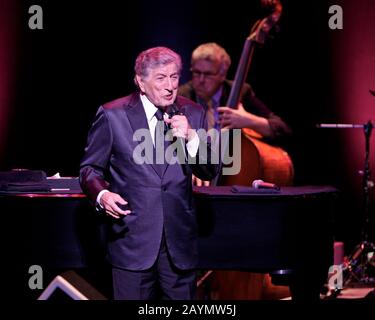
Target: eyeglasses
(205, 74)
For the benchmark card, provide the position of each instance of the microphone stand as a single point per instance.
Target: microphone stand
(356, 267)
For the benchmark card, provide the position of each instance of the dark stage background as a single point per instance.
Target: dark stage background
(54, 79)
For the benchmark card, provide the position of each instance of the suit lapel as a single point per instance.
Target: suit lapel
(138, 120)
(136, 114)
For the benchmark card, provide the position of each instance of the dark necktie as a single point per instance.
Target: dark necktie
(159, 150)
(159, 115)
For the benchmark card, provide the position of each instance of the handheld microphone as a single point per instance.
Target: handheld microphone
(172, 111)
(260, 184)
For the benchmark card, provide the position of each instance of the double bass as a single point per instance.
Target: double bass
(259, 160)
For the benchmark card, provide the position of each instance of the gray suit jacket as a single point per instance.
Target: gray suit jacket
(157, 202)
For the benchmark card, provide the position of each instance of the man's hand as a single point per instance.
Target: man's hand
(108, 201)
(233, 118)
(181, 127)
(239, 118)
(199, 183)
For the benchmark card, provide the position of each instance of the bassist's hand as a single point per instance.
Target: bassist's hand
(234, 118)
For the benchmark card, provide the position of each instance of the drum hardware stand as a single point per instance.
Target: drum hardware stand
(355, 269)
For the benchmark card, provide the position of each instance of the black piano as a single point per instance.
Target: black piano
(288, 234)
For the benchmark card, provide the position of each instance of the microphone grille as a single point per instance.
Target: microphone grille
(173, 110)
